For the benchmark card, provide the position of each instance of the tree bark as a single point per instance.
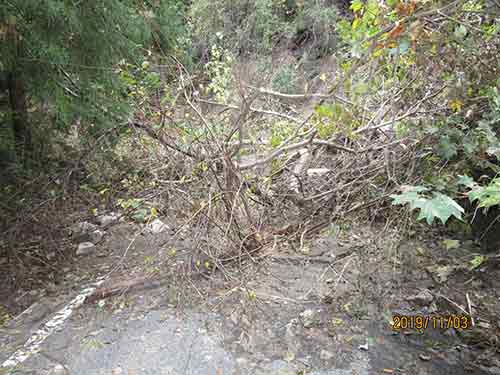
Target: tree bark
(17, 98)
(21, 127)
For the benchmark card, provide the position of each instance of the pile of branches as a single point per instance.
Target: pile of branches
(245, 193)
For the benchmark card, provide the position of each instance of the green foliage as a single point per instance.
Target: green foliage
(487, 196)
(285, 80)
(464, 132)
(68, 53)
(244, 25)
(280, 131)
(334, 118)
(220, 70)
(321, 20)
(4, 316)
(477, 142)
(477, 261)
(256, 26)
(434, 206)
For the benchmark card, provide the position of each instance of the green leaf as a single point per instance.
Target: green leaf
(469, 146)
(356, 5)
(494, 150)
(447, 149)
(487, 196)
(404, 46)
(324, 110)
(440, 206)
(460, 32)
(140, 215)
(477, 261)
(410, 195)
(466, 181)
(451, 244)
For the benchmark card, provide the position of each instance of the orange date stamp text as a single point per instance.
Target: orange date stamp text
(422, 322)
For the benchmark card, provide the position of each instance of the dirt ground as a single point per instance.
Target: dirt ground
(360, 286)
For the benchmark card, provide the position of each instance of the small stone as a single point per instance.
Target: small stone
(363, 347)
(105, 220)
(325, 355)
(59, 370)
(424, 357)
(51, 255)
(85, 248)
(424, 298)
(82, 228)
(310, 318)
(157, 226)
(241, 361)
(96, 236)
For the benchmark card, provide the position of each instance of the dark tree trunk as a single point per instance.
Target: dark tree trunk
(21, 127)
(17, 98)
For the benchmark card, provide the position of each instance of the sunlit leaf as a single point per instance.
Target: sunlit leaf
(451, 244)
(477, 261)
(356, 5)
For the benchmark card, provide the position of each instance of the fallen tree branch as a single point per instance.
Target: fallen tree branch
(292, 147)
(255, 110)
(300, 96)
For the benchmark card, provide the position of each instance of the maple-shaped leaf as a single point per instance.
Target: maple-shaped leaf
(488, 195)
(440, 206)
(410, 194)
(466, 181)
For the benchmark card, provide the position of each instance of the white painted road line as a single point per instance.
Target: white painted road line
(32, 346)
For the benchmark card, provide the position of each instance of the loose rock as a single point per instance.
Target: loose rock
(80, 231)
(85, 248)
(424, 298)
(59, 370)
(157, 226)
(105, 220)
(325, 355)
(310, 318)
(96, 236)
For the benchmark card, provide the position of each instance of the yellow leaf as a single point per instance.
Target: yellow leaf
(355, 23)
(456, 105)
(154, 212)
(322, 77)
